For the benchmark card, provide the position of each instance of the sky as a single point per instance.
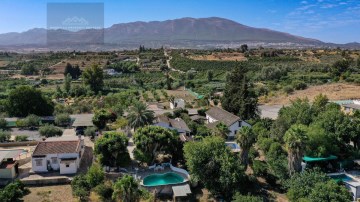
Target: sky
(335, 21)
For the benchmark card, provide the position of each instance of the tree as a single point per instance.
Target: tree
(26, 100)
(245, 137)
(211, 162)
(313, 185)
(299, 112)
(127, 189)
(339, 67)
(239, 97)
(140, 116)
(13, 192)
(105, 191)
(93, 76)
(111, 149)
(295, 139)
(3, 124)
(244, 48)
(67, 83)
(80, 187)
(329, 191)
(50, 131)
(221, 130)
(210, 75)
(320, 103)
(153, 140)
(102, 117)
(95, 176)
(62, 119)
(4, 136)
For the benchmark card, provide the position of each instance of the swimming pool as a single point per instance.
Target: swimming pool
(162, 179)
(341, 177)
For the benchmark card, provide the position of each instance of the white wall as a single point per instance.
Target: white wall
(54, 166)
(42, 168)
(72, 169)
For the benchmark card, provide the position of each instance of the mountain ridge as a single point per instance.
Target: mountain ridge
(183, 32)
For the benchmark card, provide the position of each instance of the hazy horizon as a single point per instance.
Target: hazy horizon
(334, 21)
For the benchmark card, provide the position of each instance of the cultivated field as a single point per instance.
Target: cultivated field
(220, 57)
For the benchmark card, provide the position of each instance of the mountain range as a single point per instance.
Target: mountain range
(212, 32)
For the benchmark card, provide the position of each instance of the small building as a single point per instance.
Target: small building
(9, 167)
(63, 156)
(177, 124)
(181, 192)
(216, 115)
(177, 103)
(350, 108)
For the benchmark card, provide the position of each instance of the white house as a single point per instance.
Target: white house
(215, 115)
(63, 156)
(177, 103)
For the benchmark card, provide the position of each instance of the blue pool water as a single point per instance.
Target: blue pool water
(341, 177)
(162, 179)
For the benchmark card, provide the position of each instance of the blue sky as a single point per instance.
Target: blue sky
(327, 20)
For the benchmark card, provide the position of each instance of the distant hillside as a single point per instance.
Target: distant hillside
(184, 32)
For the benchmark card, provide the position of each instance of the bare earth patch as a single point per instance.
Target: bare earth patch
(56, 193)
(336, 91)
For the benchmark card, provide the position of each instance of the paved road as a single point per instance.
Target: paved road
(269, 111)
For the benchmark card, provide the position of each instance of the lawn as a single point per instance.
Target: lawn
(54, 193)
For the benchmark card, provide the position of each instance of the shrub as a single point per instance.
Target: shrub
(21, 138)
(50, 131)
(288, 89)
(90, 132)
(299, 85)
(4, 136)
(62, 119)
(3, 124)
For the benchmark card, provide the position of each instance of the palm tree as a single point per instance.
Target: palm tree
(295, 139)
(127, 189)
(245, 137)
(140, 116)
(221, 130)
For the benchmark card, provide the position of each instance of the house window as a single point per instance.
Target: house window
(53, 160)
(239, 123)
(38, 162)
(67, 165)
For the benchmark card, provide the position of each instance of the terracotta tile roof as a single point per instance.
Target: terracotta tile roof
(221, 115)
(56, 147)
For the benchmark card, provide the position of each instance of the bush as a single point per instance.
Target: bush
(90, 132)
(13, 192)
(3, 124)
(21, 138)
(4, 136)
(50, 131)
(105, 191)
(62, 119)
(32, 120)
(299, 85)
(246, 198)
(288, 89)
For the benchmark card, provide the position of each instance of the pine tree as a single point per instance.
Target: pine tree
(239, 97)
